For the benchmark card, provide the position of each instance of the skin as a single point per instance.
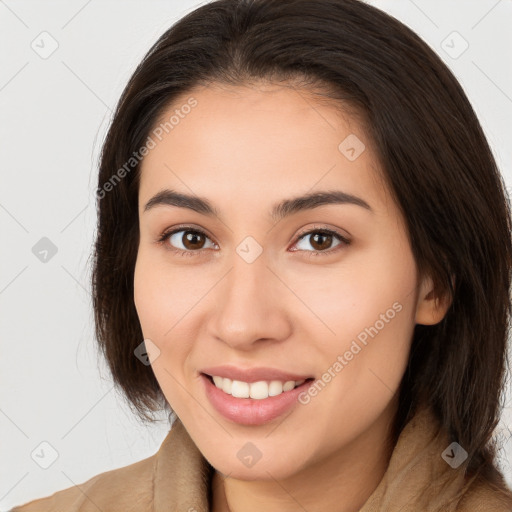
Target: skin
(245, 148)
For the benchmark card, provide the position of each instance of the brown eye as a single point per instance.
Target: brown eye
(321, 240)
(193, 240)
(185, 240)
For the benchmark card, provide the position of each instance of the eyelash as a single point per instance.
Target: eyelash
(166, 234)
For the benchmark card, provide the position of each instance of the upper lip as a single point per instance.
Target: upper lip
(252, 374)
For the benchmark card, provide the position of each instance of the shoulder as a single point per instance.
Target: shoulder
(126, 488)
(483, 496)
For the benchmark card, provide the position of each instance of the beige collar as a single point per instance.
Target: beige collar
(417, 477)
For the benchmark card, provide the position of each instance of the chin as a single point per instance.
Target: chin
(259, 472)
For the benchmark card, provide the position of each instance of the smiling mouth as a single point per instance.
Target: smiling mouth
(259, 390)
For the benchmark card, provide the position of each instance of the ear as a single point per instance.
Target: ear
(431, 309)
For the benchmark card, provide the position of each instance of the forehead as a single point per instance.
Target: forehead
(257, 142)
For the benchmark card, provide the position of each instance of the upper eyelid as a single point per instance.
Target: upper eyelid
(320, 228)
(187, 227)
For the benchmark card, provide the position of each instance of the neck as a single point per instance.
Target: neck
(343, 481)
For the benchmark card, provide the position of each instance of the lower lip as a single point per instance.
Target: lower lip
(251, 411)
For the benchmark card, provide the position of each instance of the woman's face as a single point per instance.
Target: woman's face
(246, 288)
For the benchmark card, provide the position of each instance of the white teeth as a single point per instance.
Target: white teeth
(226, 386)
(257, 390)
(289, 385)
(275, 388)
(240, 389)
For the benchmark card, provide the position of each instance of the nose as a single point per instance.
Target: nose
(251, 306)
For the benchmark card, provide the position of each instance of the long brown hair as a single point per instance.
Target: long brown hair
(435, 159)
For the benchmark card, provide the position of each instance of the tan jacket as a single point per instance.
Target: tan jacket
(177, 478)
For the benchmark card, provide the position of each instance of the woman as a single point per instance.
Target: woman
(304, 254)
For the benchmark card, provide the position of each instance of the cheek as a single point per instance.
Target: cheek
(161, 304)
(369, 308)
(382, 342)
(148, 300)
(347, 300)
(384, 316)
(155, 296)
(161, 296)
(166, 299)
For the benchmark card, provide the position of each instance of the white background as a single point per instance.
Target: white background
(54, 114)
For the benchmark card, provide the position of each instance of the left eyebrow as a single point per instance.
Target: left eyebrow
(285, 208)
